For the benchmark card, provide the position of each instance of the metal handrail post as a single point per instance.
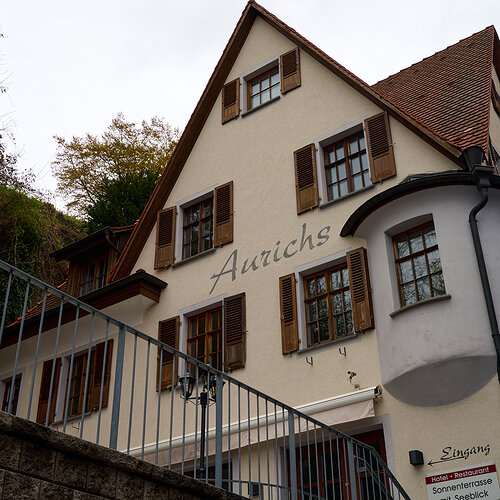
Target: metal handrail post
(218, 430)
(292, 455)
(117, 391)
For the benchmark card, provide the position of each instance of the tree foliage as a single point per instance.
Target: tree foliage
(87, 167)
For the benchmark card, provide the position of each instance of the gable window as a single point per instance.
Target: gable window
(328, 309)
(197, 228)
(418, 265)
(7, 389)
(351, 159)
(346, 166)
(205, 337)
(263, 88)
(334, 301)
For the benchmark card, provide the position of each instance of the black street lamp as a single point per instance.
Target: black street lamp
(207, 394)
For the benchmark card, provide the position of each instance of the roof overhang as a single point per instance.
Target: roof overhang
(137, 284)
(410, 185)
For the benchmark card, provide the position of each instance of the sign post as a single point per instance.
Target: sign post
(471, 483)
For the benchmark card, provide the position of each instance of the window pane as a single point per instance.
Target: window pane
(340, 325)
(255, 88)
(200, 350)
(355, 165)
(402, 247)
(321, 284)
(409, 295)
(347, 301)
(420, 266)
(264, 84)
(338, 306)
(324, 332)
(416, 243)
(423, 288)
(265, 97)
(313, 333)
(366, 177)
(438, 284)
(201, 325)
(345, 276)
(275, 91)
(255, 101)
(344, 188)
(214, 323)
(339, 149)
(331, 175)
(311, 309)
(336, 280)
(434, 261)
(342, 171)
(353, 145)
(207, 244)
(207, 209)
(322, 308)
(196, 213)
(275, 78)
(406, 271)
(349, 323)
(333, 192)
(358, 182)
(310, 288)
(330, 156)
(429, 237)
(194, 247)
(362, 142)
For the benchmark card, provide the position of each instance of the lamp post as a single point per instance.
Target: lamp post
(207, 394)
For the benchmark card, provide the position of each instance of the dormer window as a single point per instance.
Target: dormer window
(93, 277)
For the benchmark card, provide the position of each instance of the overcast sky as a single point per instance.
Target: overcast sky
(70, 66)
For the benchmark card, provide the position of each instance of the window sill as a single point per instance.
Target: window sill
(438, 298)
(330, 342)
(348, 195)
(194, 257)
(249, 111)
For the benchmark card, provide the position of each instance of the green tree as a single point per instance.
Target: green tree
(86, 167)
(120, 201)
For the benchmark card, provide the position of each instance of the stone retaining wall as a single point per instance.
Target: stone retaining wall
(39, 463)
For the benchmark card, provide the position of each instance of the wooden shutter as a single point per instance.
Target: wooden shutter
(234, 332)
(230, 100)
(288, 313)
(359, 280)
(100, 365)
(306, 180)
(43, 400)
(290, 70)
(165, 237)
(74, 279)
(223, 214)
(379, 147)
(168, 333)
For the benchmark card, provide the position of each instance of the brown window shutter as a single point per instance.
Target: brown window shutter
(74, 279)
(234, 332)
(306, 180)
(379, 147)
(99, 365)
(359, 279)
(288, 312)
(165, 237)
(290, 70)
(230, 100)
(43, 400)
(168, 333)
(223, 211)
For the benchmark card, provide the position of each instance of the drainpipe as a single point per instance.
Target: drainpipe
(481, 175)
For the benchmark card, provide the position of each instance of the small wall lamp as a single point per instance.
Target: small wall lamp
(416, 457)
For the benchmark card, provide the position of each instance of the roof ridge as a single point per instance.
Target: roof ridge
(491, 27)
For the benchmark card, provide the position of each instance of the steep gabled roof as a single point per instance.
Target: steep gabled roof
(179, 157)
(449, 91)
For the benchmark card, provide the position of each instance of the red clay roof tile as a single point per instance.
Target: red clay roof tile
(450, 91)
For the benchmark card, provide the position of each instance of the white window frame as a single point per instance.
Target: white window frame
(179, 233)
(302, 272)
(252, 73)
(326, 140)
